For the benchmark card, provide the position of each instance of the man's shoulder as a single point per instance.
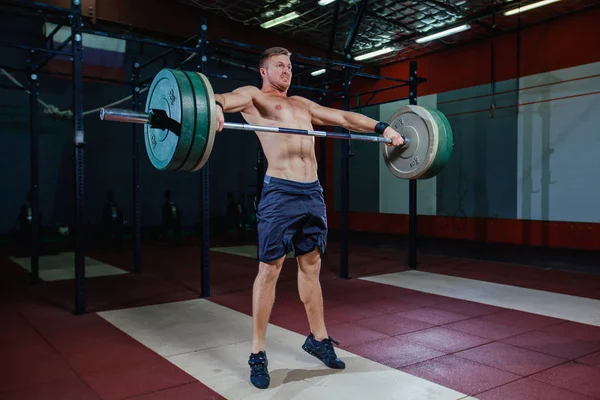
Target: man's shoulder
(249, 89)
(301, 99)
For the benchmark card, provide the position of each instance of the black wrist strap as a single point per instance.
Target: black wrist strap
(220, 105)
(380, 127)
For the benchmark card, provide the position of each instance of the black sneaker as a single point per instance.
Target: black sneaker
(259, 374)
(324, 351)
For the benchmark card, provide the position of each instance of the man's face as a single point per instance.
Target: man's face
(277, 71)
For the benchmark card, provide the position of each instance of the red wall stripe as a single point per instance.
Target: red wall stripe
(573, 235)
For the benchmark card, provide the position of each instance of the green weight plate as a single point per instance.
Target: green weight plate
(446, 144)
(449, 140)
(171, 92)
(421, 127)
(205, 124)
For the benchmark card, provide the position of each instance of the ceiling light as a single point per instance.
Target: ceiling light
(529, 7)
(374, 53)
(443, 33)
(325, 2)
(318, 72)
(280, 20)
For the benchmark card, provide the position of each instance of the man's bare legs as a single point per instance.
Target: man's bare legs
(309, 288)
(263, 297)
(318, 344)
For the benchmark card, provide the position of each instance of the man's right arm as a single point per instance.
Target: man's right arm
(235, 101)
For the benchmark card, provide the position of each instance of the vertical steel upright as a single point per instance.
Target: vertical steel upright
(137, 208)
(34, 238)
(345, 183)
(412, 184)
(205, 175)
(79, 225)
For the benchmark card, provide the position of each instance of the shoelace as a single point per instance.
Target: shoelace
(259, 369)
(258, 365)
(328, 343)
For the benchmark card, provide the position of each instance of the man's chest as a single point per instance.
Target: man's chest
(282, 109)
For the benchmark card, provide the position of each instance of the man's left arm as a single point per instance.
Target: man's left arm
(352, 121)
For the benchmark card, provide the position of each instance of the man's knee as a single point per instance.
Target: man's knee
(310, 263)
(270, 270)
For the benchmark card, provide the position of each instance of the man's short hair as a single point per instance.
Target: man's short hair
(273, 51)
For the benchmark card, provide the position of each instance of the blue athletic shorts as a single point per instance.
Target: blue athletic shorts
(291, 217)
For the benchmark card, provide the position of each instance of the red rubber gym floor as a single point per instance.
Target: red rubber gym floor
(484, 351)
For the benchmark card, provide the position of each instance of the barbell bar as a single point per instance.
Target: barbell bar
(155, 118)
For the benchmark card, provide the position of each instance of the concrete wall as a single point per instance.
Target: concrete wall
(480, 179)
(559, 146)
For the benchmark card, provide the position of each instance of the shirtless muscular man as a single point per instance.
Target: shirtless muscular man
(291, 215)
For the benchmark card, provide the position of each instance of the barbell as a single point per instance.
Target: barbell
(180, 129)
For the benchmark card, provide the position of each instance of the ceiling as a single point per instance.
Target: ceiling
(381, 23)
(389, 23)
